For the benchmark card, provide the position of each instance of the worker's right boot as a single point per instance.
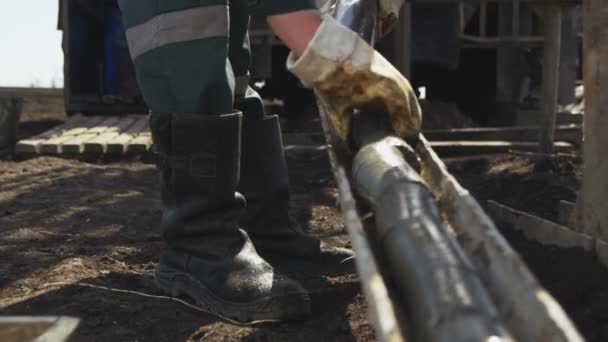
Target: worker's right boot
(208, 257)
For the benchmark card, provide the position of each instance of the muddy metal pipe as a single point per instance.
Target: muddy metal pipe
(435, 282)
(359, 16)
(443, 296)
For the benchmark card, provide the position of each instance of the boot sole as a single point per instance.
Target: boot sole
(269, 309)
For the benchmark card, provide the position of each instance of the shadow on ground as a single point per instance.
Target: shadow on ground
(65, 222)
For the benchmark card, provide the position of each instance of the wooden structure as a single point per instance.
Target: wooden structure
(592, 205)
(10, 112)
(92, 134)
(552, 12)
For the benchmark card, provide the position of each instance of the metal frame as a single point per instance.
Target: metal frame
(552, 12)
(515, 38)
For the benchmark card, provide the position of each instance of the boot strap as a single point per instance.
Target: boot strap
(198, 165)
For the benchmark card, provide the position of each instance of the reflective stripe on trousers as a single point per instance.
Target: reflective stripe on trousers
(193, 60)
(180, 26)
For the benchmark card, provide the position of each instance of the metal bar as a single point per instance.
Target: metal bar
(483, 18)
(569, 133)
(491, 42)
(515, 24)
(461, 18)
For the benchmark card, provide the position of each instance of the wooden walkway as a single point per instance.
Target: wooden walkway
(92, 134)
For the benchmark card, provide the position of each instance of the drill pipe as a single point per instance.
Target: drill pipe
(359, 16)
(443, 295)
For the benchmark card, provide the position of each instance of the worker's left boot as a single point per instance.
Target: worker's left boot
(265, 185)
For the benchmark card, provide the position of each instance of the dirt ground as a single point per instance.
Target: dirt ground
(64, 222)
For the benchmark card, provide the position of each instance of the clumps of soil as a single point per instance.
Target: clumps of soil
(511, 180)
(574, 277)
(443, 115)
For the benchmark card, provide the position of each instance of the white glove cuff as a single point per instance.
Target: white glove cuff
(331, 45)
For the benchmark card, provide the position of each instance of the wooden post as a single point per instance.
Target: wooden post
(10, 112)
(551, 59)
(592, 204)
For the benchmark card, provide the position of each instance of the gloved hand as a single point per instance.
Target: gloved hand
(388, 15)
(347, 73)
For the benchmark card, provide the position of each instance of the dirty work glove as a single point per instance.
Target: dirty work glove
(388, 15)
(347, 73)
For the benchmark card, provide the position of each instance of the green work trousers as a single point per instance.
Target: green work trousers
(190, 56)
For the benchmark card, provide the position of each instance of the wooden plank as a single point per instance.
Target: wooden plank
(120, 143)
(568, 133)
(538, 229)
(32, 145)
(491, 147)
(53, 145)
(140, 144)
(591, 212)
(75, 144)
(100, 142)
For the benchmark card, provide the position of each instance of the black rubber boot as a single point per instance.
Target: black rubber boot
(265, 185)
(207, 257)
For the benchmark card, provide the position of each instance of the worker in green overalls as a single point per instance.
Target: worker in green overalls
(224, 180)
